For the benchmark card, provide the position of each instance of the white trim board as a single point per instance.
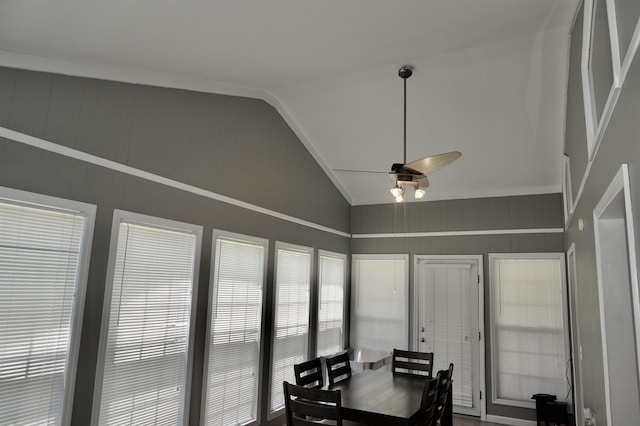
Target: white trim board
(461, 233)
(509, 421)
(132, 171)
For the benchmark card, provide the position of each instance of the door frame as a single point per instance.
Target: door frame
(619, 186)
(576, 345)
(468, 258)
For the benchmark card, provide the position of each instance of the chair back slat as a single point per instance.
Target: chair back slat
(308, 406)
(309, 374)
(338, 367)
(412, 363)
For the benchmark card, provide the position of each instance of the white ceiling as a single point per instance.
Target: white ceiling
(489, 77)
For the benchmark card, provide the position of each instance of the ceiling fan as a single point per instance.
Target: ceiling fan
(415, 173)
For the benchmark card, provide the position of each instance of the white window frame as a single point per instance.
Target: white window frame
(343, 257)
(565, 319)
(219, 234)
(272, 414)
(624, 59)
(595, 125)
(145, 220)
(354, 288)
(88, 211)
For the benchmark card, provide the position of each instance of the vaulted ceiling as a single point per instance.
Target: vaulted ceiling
(489, 79)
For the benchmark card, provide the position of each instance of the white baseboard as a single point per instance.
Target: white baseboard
(510, 421)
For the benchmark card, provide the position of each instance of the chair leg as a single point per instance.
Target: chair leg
(447, 417)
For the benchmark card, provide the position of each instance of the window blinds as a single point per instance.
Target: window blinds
(234, 334)
(293, 274)
(331, 303)
(529, 336)
(40, 252)
(146, 349)
(379, 304)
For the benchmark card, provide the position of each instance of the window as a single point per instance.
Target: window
(44, 254)
(529, 335)
(290, 345)
(231, 387)
(331, 276)
(379, 302)
(147, 321)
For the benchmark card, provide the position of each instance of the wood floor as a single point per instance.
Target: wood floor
(471, 421)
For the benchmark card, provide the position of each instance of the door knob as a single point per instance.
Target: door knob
(422, 340)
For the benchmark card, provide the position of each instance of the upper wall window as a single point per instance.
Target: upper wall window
(291, 331)
(233, 338)
(44, 255)
(529, 327)
(147, 321)
(601, 75)
(379, 303)
(331, 276)
(627, 13)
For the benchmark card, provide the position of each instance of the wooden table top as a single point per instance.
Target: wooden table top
(378, 397)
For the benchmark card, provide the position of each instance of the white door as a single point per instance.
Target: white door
(449, 321)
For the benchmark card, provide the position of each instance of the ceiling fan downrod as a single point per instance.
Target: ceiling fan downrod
(405, 72)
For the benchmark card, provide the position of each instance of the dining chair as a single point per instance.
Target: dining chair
(443, 415)
(338, 367)
(309, 374)
(412, 363)
(428, 402)
(309, 406)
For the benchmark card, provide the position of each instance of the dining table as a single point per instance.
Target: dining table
(378, 397)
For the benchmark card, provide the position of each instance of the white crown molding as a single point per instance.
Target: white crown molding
(121, 74)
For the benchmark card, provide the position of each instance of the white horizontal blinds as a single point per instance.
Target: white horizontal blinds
(145, 358)
(529, 335)
(448, 332)
(380, 304)
(293, 275)
(234, 335)
(39, 263)
(331, 303)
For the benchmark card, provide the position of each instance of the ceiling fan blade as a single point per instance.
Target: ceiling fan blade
(430, 164)
(358, 171)
(423, 182)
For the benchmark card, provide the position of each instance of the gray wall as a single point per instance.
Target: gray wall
(620, 144)
(521, 212)
(233, 146)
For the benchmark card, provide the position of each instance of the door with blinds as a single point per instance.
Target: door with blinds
(449, 321)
